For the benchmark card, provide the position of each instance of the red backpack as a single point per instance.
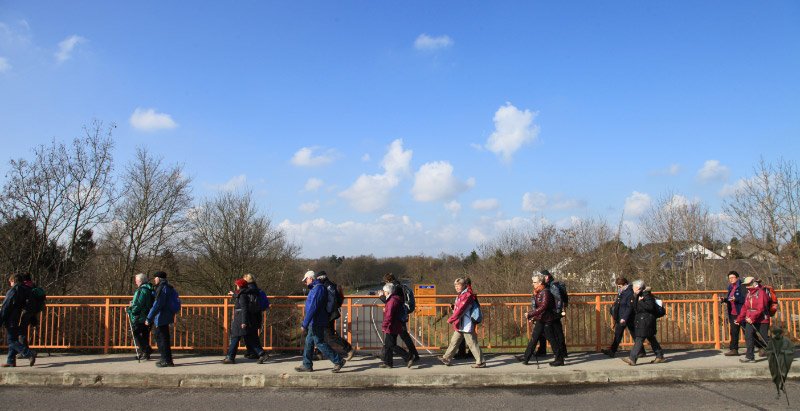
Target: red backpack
(773, 300)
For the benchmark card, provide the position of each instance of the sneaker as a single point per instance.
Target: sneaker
(444, 361)
(731, 353)
(384, 365)
(162, 364)
(263, 358)
(411, 362)
(481, 365)
(628, 361)
(338, 367)
(658, 360)
(557, 363)
(303, 369)
(747, 360)
(350, 355)
(608, 352)
(229, 361)
(32, 358)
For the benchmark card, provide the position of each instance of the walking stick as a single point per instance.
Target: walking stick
(133, 336)
(777, 361)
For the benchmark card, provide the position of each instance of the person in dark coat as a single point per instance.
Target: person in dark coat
(392, 326)
(161, 316)
(10, 314)
(734, 300)
(623, 315)
(404, 335)
(644, 308)
(314, 323)
(246, 322)
(28, 319)
(544, 314)
(556, 324)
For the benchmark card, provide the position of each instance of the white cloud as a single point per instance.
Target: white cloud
(713, 171)
(534, 202)
(66, 47)
(454, 207)
(150, 120)
(513, 129)
(637, 204)
(313, 184)
(4, 65)
(428, 43)
(486, 204)
(476, 236)
(371, 193)
(309, 207)
(305, 157)
(672, 170)
(435, 181)
(233, 184)
(677, 201)
(559, 203)
(732, 189)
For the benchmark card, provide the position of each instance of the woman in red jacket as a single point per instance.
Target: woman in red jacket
(463, 325)
(755, 316)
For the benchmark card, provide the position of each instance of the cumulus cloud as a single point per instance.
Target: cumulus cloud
(476, 236)
(536, 202)
(513, 129)
(713, 171)
(435, 181)
(233, 184)
(677, 201)
(313, 184)
(305, 157)
(733, 189)
(4, 65)
(371, 193)
(453, 207)
(637, 204)
(309, 207)
(150, 120)
(67, 46)
(425, 42)
(486, 204)
(672, 170)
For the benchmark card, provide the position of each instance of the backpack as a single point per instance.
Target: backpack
(660, 310)
(36, 300)
(562, 290)
(408, 296)
(335, 297)
(773, 300)
(262, 300)
(173, 301)
(476, 315)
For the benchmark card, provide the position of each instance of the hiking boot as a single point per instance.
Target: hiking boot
(263, 358)
(384, 365)
(481, 365)
(731, 353)
(350, 355)
(162, 364)
(32, 358)
(608, 352)
(628, 361)
(229, 361)
(444, 361)
(338, 367)
(747, 360)
(303, 369)
(557, 363)
(658, 360)
(762, 353)
(411, 362)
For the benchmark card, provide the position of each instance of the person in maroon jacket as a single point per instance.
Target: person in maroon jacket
(392, 326)
(544, 316)
(754, 315)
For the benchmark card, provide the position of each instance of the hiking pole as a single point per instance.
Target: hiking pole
(777, 361)
(133, 336)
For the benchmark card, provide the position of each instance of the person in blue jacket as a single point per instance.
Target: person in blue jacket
(161, 315)
(734, 301)
(314, 323)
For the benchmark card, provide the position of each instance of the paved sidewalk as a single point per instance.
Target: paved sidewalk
(195, 371)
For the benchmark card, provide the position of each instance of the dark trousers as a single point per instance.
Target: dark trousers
(560, 350)
(408, 341)
(638, 346)
(390, 348)
(619, 331)
(141, 337)
(735, 332)
(547, 330)
(251, 341)
(752, 340)
(164, 343)
(336, 341)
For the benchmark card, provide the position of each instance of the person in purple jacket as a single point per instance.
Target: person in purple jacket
(392, 326)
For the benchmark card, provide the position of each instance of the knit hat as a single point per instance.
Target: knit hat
(160, 274)
(241, 282)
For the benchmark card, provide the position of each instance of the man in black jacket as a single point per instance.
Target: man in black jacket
(623, 315)
(644, 308)
(10, 314)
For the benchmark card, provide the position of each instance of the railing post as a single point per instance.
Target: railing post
(717, 342)
(597, 319)
(224, 324)
(349, 320)
(107, 330)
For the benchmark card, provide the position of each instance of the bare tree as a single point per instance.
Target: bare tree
(229, 237)
(150, 217)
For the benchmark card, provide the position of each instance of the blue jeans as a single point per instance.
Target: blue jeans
(316, 337)
(14, 346)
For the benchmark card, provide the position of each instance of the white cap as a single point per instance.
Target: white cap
(309, 274)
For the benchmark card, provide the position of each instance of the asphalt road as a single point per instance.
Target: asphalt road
(743, 395)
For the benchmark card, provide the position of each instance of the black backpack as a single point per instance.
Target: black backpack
(409, 302)
(335, 298)
(35, 300)
(562, 289)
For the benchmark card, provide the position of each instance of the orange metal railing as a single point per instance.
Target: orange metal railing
(694, 319)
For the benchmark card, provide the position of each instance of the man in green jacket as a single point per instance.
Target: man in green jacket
(137, 311)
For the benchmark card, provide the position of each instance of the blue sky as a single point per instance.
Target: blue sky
(417, 127)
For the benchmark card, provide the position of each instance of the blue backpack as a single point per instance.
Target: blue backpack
(263, 301)
(476, 315)
(173, 301)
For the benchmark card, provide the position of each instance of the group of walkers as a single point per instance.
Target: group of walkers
(749, 305)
